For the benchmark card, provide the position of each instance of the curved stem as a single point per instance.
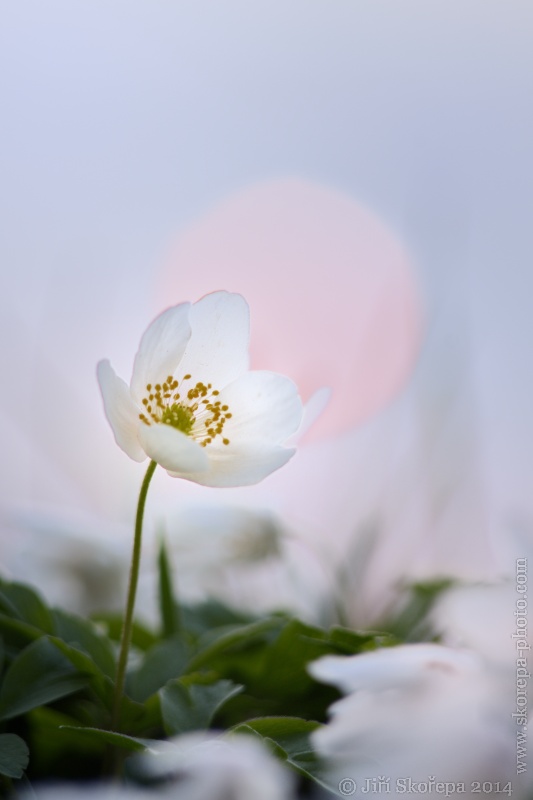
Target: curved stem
(130, 603)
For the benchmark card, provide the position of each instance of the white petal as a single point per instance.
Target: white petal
(217, 351)
(162, 347)
(391, 667)
(240, 465)
(312, 410)
(263, 406)
(172, 449)
(120, 410)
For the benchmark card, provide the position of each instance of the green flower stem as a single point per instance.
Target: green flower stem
(130, 603)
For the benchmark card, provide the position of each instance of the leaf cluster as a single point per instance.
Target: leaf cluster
(206, 667)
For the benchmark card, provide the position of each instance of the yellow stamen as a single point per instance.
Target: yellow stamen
(201, 419)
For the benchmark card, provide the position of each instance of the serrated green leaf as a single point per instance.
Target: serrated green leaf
(168, 608)
(85, 635)
(14, 755)
(190, 703)
(163, 662)
(39, 675)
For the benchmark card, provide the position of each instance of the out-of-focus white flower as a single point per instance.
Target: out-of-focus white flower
(241, 536)
(193, 406)
(194, 766)
(207, 766)
(244, 557)
(417, 711)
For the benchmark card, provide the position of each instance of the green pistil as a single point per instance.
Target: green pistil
(180, 417)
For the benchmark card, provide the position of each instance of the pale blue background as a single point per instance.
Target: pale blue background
(122, 121)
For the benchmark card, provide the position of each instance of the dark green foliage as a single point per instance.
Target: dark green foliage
(207, 666)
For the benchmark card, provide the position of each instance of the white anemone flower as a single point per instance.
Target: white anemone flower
(202, 765)
(193, 406)
(420, 712)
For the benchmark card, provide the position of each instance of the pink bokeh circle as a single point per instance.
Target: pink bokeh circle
(332, 292)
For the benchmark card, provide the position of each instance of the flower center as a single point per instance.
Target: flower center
(179, 417)
(193, 410)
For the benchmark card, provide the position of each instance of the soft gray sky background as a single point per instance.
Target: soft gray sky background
(124, 121)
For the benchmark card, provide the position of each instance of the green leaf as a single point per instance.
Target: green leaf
(234, 638)
(170, 618)
(132, 743)
(86, 636)
(17, 634)
(352, 642)
(20, 601)
(190, 703)
(53, 752)
(285, 667)
(290, 733)
(270, 658)
(84, 665)
(14, 755)
(163, 662)
(205, 617)
(141, 719)
(288, 738)
(39, 675)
